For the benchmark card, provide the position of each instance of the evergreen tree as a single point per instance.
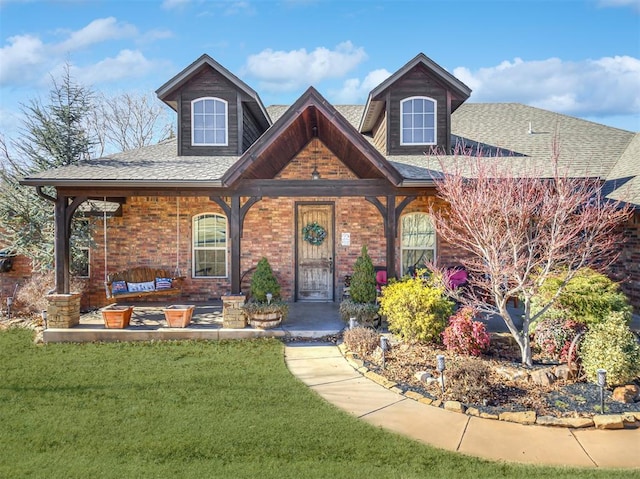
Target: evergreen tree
(264, 281)
(363, 280)
(53, 135)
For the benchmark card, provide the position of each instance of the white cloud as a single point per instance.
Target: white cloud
(127, 64)
(354, 91)
(635, 4)
(171, 4)
(21, 58)
(607, 86)
(98, 31)
(285, 71)
(28, 60)
(236, 8)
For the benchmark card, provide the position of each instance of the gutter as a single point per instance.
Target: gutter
(69, 183)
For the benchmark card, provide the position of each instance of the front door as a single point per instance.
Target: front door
(314, 251)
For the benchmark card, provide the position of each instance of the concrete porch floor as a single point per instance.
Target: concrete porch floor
(305, 320)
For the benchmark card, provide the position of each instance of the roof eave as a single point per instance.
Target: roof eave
(73, 183)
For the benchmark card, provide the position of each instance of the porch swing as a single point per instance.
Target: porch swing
(142, 281)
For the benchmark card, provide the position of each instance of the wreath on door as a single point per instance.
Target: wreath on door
(314, 233)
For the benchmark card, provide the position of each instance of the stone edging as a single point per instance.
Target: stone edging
(602, 421)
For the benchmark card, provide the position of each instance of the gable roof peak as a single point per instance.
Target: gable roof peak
(373, 106)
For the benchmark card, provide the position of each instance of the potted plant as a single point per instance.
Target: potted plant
(116, 316)
(361, 303)
(265, 309)
(178, 315)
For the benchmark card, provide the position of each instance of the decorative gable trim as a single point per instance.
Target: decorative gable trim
(309, 116)
(375, 105)
(168, 90)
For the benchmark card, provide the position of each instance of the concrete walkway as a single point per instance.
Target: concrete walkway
(322, 367)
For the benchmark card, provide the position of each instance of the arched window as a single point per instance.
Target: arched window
(209, 122)
(418, 121)
(418, 241)
(209, 246)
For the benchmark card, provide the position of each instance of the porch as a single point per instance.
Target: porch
(305, 320)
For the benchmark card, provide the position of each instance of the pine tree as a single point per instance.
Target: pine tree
(363, 280)
(264, 281)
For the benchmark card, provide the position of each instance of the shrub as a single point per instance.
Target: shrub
(363, 279)
(464, 335)
(361, 340)
(553, 337)
(415, 310)
(588, 298)
(365, 313)
(31, 297)
(264, 281)
(612, 346)
(466, 380)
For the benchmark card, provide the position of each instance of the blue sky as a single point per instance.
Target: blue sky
(577, 57)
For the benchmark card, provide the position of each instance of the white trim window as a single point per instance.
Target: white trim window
(209, 122)
(209, 246)
(418, 121)
(417, 243)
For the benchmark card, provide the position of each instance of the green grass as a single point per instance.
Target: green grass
(196, 410)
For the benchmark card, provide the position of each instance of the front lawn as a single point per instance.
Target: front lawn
(196, 410)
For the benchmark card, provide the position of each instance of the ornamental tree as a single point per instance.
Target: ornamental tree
(514, 228)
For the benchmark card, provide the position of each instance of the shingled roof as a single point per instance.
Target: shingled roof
(522, 133)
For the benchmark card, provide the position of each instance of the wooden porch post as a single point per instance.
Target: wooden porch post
(391, 229)
(61, 245)
(234, 226)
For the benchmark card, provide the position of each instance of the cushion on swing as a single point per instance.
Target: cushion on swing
(163, 283)
(119, 287)
(146, 286)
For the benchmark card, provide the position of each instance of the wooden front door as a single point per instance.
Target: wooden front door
(314, 276)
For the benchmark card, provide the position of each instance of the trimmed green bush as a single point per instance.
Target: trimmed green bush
(415, 310)
(264, 281)
(612, 346)
(588, 298)
(363, 279)
(365, 313)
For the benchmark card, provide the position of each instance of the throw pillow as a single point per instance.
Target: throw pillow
(137, 287)
(163, 283)
(119, 287)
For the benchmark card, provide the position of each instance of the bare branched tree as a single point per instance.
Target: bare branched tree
(516, 228)
(128, 121)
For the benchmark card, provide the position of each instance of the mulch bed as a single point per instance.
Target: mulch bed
(562, 398)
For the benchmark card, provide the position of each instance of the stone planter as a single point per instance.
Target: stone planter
(116, 317)
(178, 315)
(265, 320)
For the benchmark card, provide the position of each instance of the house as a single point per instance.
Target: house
(307, 185)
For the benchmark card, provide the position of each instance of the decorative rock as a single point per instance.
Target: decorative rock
(608, 421)
(626, 394)
(564, 372)
(473, 411)
(521, 417)
(455, 406)
(422, 376)
(426, 400)
(488, 415)
(413, 395)
(512, 374)
(573, 422)
(636, 414)
(628, 418)
(395, 389)
(543, 377)
(355, 362)
(437, 403)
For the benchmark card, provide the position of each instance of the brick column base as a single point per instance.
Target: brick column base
(232, 314)
(63, 310)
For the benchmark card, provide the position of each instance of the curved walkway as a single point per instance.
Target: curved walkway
(322, 367)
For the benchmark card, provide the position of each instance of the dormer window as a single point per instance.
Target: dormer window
(418, 121)
(209, 122)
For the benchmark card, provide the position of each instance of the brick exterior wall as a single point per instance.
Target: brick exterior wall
(626, 269)
(19, 274)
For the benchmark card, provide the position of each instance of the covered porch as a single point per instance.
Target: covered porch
(305, 320)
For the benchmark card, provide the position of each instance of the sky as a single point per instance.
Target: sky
(576, 57)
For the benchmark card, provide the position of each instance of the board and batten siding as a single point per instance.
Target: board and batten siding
(208, 83)
(380, 134)
(417, 82)
(251, 129)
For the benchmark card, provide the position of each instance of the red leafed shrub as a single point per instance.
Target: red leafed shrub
(464, 335)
